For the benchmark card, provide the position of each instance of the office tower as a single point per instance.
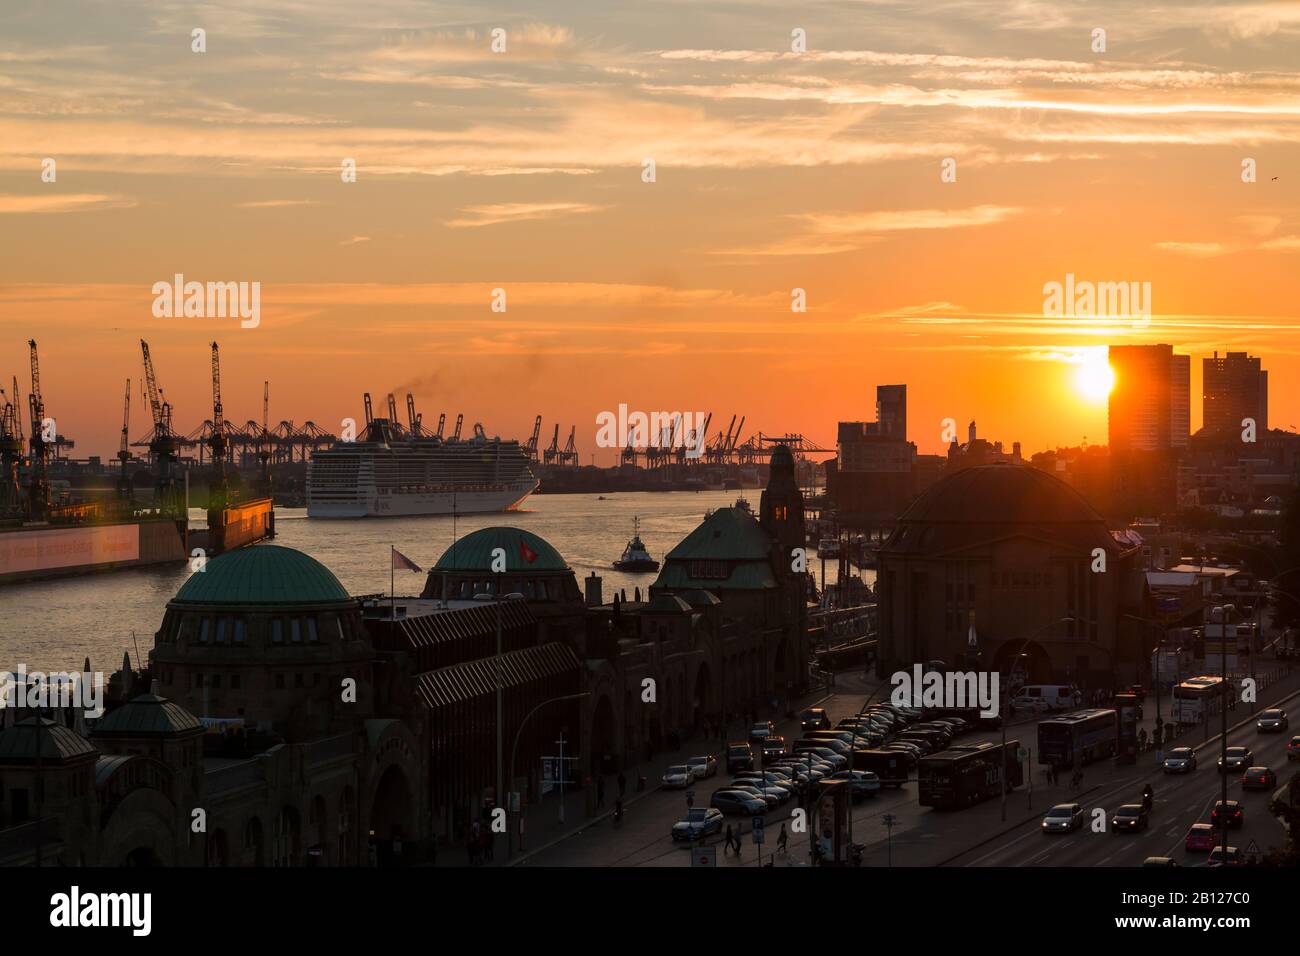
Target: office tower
(1233, 388)
(1150, 404)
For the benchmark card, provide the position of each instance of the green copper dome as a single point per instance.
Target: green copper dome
(262, 574)
(524, 551)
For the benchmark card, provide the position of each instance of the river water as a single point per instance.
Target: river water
(54, 625)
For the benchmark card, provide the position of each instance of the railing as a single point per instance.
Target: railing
(234, 776)
(329, 748)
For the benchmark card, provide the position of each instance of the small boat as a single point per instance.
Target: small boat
(742, 504)
(635, 556)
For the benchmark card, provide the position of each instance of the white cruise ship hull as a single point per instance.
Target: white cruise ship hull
(398, 504)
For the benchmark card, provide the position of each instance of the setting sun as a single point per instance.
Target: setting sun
(1094, 377)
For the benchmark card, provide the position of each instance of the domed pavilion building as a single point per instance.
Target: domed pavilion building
(1022, 558)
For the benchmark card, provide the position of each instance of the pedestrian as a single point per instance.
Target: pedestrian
(782, 839)
(471, 847)
(730, 839)
(622, 784)
(600, 792)
(1054, 772)
(489, 838)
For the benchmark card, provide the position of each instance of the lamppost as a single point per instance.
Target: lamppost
(1224, 613)
(510, 845)
(1155, 676)
(1006, 700)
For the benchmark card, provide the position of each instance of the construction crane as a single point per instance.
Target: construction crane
(553, 449)
(218, 490)
(38, 496)
(570, 454)
(162, 447)
(264, 442)
(124, 490)
(460, 420)
(531, 447)
(11, 453)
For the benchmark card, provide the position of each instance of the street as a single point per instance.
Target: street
(921, 836)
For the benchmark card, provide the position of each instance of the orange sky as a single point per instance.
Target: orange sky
(522, 170)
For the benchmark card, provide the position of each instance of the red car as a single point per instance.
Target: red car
(1200, 838)
(1293, 748)
(1258, 778)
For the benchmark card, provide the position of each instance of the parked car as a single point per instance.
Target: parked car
(1063, 818)
(1180, 760)
(1131, 816)
(1258, 778)
(815, 718)
(698, 823)
(1293, 748)
(862, 783)
(1227, 814)
(1199, 837)
(762, 730)
(703, 766)
(737, 803)
(1219, 858)
(1236, 758)
(739, 757)
(1272, 721)
(773, 748)
(838, 761)
(769, 797)
(678, 777)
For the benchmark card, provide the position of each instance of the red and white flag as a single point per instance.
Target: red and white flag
(526, 553)
(402, 563)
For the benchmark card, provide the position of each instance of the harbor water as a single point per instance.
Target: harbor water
(54, 625)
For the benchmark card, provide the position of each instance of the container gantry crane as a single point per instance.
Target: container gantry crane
(11, 453)
(218, 491)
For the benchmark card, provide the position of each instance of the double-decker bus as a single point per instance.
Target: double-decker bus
(966, 775)
(1085, 736)
(1197, 696)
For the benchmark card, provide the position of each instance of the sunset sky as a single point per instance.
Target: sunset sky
(522, 170)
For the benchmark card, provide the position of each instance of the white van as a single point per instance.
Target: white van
(1040, 697)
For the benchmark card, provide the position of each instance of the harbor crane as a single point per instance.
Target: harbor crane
(552, 451)
(39, 489)
(162, 446)
(415, 421)
(531, 447)
(442, 422)
(570, 454)
(460, 420)
(124, 490)
(11, 453)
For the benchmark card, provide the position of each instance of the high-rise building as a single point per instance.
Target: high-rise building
(891, 411)
(1234, 388)
(1150, 404)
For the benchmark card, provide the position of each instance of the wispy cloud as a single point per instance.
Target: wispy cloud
(493, 214)
(61, 202)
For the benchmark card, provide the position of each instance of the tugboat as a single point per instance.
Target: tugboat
(635, 556)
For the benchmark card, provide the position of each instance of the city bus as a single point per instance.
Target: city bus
(966, 775)
(1195, 697)
(1084, 736)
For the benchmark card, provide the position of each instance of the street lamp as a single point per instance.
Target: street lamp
(514, 747)
(1225, 613)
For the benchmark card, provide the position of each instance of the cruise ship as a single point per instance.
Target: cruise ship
(389, 471)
